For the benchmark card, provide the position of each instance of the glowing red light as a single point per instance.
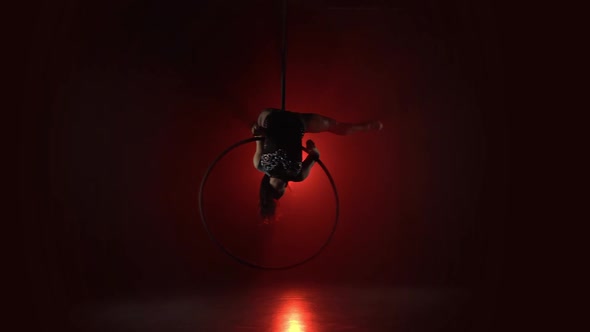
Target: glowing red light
(293, 315)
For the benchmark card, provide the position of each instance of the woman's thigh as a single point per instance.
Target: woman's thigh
(316, 123)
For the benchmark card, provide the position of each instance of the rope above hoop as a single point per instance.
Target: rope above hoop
(284, 57)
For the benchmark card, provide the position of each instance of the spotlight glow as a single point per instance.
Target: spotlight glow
(294, 324)
(293, 314)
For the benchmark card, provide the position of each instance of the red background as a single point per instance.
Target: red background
(128, 103)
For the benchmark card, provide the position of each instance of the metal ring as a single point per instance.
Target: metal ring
(244, 261)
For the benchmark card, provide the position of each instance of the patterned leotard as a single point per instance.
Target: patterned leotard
(281, 152)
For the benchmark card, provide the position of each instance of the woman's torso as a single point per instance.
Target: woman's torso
(281, 152)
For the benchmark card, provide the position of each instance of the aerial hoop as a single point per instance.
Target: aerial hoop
(247, 262)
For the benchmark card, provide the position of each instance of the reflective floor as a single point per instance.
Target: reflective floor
(287, 309)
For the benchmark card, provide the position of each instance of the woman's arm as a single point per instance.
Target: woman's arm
(257, 131)
(312, 157)
(256, 158)
(305, 168)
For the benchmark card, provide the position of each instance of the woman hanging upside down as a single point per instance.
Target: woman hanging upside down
(278, 156)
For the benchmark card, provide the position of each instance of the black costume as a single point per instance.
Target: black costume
(281, 151)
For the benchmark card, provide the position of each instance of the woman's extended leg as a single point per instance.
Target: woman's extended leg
(316, 123)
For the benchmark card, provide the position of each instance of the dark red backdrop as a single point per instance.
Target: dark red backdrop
(128, 102)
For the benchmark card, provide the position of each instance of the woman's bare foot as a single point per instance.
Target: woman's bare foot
(374, 125)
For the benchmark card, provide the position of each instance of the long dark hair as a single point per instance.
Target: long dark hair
(269, 197)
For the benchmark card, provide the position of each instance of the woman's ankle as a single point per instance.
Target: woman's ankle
(374, 125)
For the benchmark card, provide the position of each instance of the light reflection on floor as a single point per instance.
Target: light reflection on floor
(279, 309)
(293, 313)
